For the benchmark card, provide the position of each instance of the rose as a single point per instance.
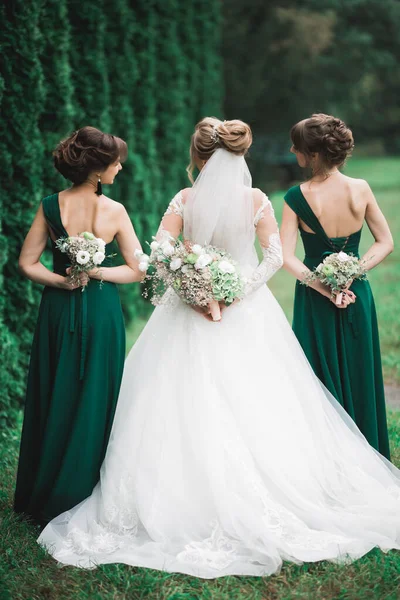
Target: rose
(167, 249)
(101, 245)
(143, 266)
(98, 258)
(154, 245)
(226, 267)
(82, 257)
(328, 270)
(191, 258)
(343, 257)
(203, 261)
(197, 249)
(175, 264)
(87, 235)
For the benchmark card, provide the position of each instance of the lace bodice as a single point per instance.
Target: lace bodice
(176, 207)
(266, 229)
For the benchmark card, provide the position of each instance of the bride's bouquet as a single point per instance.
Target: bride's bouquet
(85, 251)
(337, 271)
(200, 275)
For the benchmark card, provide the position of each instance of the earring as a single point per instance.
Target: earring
(99, 189)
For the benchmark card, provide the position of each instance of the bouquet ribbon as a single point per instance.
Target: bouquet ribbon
(83, 331)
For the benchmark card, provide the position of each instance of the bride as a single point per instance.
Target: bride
(227, 455)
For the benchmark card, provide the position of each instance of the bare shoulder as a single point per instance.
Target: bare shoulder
(113, 208)
(361, 186)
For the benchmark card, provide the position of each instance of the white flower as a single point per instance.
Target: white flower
(175, 264)
(186, 269)
(343, 257)
(167, 249)
(82, 257)
(138, 253)
(226, 267)
(64, 247)
(98, 258)
(197, 249)
(143, 266)
(100, 243)
(145, 258)
(154, 245)
(203, 261)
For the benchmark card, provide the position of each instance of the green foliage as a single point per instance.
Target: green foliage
(284, 61)
(133, 69)
(26, 571)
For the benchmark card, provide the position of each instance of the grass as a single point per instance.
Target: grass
(27, 573)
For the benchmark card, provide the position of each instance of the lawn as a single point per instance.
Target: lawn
(26, 573)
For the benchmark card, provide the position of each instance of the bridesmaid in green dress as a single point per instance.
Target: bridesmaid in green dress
(341, 342)
(78, 349)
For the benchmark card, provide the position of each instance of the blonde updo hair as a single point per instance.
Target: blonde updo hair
(326, 135)
(210, 134)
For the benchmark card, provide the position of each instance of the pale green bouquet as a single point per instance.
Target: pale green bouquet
(338, 270)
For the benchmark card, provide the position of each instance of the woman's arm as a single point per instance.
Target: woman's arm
(379, 228)
(127, 243)
(29, 260)
(289, 232)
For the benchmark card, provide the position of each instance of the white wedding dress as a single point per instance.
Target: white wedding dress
(227, 455)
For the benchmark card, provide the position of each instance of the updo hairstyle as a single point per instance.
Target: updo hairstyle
(326, 135)
(88, 150)
(210, 134)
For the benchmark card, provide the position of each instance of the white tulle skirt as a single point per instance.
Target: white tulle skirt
(228, 456)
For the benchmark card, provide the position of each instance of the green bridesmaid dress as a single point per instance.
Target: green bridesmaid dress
(341, 345)
(74, 379)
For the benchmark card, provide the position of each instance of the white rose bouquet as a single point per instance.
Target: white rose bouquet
(200, 275)
(85, 252)
(337, 271)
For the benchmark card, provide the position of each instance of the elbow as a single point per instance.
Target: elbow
(390, 246)
(23, 268)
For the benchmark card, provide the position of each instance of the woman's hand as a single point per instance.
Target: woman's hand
(348, 297)
(67, 284)
(204, 312)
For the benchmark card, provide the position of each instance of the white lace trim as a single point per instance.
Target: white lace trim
(260, 213)
(175, 207)
(271, 263)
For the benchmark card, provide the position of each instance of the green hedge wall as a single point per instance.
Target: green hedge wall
(146, 71)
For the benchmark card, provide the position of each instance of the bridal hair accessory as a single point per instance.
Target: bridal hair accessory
(215, 136)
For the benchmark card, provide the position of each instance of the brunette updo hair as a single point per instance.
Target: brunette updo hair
(327, 135)
(210, 134)
(87, 150)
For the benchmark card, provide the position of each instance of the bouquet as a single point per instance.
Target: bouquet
(85, 252)
(337, 271)
(200, 275)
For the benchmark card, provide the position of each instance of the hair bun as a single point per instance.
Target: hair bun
(235, 136)
(86, 150)
(326, 135)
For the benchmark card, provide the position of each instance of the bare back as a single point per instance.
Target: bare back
(339, 203)
(82, 211)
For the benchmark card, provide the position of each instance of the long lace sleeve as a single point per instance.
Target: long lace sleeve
(268, 235)
(172, 221)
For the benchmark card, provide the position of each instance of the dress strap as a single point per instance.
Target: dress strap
(51, 209)
(295, 199)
